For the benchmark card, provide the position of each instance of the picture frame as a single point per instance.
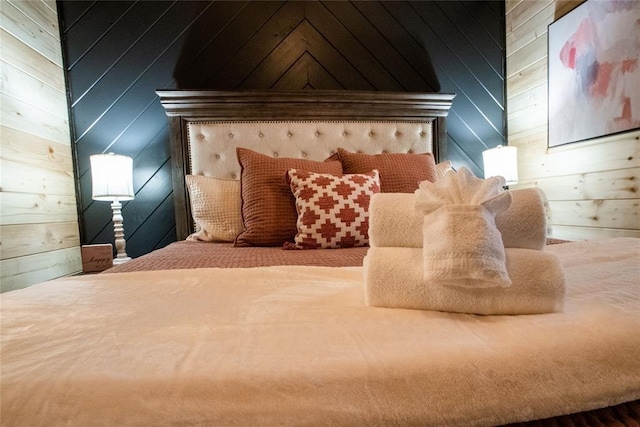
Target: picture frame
(594, 71)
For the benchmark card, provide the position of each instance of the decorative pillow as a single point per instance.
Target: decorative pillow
(268, 207)
(333, 210)
(215, 208)
(399, 172)
(442, 168)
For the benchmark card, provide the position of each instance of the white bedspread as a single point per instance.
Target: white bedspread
(297, 345)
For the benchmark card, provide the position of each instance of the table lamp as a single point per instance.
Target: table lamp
(501, 161)
(112, 180)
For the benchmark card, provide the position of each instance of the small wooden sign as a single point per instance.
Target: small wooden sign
(97, 257)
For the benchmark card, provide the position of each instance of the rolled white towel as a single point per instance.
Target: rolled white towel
(393, 278)
(393, 221)
(524, 224)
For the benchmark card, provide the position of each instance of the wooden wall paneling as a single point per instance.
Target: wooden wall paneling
(520, 16)
(146, 204)
(279, 60)
(523, 80)
(483, 81)
(591, 185)
(120, 43)
(490, 47)
(38, 214)
(205, 31)
(136, 62)
(133, 129)
(620, 151)
(350, 48)
(17, 273)
(26, 208)
(40, 155)
(600, 213)
(332, 60)
(611, 184)
(298, 75)
(27, 239)
(227, 44)
(24, 58)
(160, 218)
(490, 15)
(26, 117)
(591, 233)
(510, 5)
(24, 28)
(17, 84)
(528, 109)
(319, 77)
(477, 119)
(42, 14)
(87, 23)
(527, 55)
(72, 12)
(22, 177)
(378, 46)
(272, 46)
(335, 62)
(407, 46)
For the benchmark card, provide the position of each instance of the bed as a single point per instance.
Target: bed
(244, 332)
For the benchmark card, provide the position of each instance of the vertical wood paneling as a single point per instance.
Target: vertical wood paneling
(118, 53)
(591, 186)
(38, 217)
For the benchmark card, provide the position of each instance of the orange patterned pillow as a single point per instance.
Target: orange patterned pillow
(399, 172)
(333, 210)
(268, 207)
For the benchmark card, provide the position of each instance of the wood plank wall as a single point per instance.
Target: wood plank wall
(592, 186)
(117, 53)
(39, 230)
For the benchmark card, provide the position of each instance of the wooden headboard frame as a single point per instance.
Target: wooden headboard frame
(184, 106)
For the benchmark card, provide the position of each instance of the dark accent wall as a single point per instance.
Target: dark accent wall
(117, 53)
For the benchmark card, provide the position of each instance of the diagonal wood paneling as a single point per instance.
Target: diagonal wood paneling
(117, 53)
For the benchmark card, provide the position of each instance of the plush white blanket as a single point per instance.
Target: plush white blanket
(298, 345)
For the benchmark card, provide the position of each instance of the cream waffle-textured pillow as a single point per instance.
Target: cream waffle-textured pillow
(216, 208)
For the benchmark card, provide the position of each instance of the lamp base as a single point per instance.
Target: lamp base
(118, 261)
(118, 229)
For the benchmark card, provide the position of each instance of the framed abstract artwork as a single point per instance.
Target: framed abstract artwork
(594, 71)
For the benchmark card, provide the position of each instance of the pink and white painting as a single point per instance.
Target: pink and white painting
(594, 71)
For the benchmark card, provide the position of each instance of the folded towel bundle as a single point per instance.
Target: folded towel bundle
(393, 278)
(460, 238)
(394, 221)
(458, 245)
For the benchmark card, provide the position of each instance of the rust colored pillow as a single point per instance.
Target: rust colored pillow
(333, 210)
(399, 172)
(268, 206)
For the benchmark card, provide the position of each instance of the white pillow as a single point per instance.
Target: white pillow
(216, 208)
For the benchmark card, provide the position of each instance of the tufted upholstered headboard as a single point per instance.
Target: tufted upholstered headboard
(207, 126)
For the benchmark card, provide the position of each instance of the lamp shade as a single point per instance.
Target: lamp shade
(112, 177)
(501, 161)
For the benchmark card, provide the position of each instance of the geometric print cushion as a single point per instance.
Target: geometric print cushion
(333, 210)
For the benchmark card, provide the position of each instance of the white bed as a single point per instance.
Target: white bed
(270, 343)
